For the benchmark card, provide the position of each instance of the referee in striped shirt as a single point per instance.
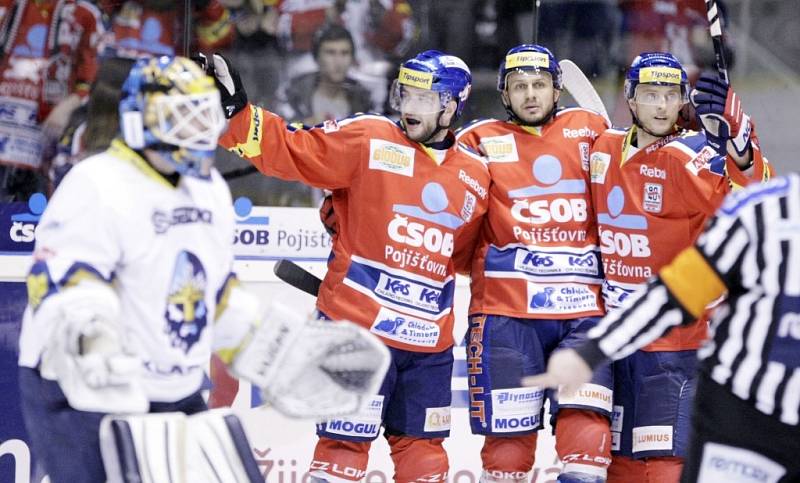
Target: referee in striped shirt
(745, 423)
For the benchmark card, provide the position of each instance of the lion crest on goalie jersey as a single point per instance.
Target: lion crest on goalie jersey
(186, 311)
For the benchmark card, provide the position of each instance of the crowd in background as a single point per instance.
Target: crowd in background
(307, 60)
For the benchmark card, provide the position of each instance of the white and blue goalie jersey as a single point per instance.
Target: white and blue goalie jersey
(165, 250)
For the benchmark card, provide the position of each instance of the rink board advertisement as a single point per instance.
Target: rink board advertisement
(282, 447)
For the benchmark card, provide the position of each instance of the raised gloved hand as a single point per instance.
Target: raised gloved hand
(231, 89)
(719, 111)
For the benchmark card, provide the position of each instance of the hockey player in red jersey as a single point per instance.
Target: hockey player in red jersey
(653, 187)
(410, 202)
(536, 275)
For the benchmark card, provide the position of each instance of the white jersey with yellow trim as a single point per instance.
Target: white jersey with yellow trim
(166, 251)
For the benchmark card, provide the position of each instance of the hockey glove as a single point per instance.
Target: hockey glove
(312, 368)
(95, 366)
(720, 113)
(226, 77)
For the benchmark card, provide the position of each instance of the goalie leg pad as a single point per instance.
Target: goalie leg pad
(418, 459)
(146, 448)
(171, 447)
(508, 458)
(340, 461)
(221, 447)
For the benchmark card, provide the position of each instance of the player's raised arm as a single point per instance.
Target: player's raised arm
(326, 156)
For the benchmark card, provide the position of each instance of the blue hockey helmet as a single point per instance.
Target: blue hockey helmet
(529, 57)
(656, 68)
(432, 70)
(171, 106)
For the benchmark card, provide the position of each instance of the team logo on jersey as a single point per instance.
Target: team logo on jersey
(403, 328)
(500, 149)
(391, 157)
(583, 151)
(598, 167)
(186, 311)
(653, 197)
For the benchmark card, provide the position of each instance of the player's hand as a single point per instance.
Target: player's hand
(328, 216)
(566, 370)
(719, 111)
(231, 89)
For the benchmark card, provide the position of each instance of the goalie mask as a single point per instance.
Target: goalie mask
(429, 81)
(169, 105)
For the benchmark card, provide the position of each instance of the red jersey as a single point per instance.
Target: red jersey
(49, 51)
(538, 255)
(408, 216)
(653, 202)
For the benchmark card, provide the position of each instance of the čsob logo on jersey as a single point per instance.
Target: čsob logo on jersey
(23, 219)
(246, 232)
(186, 311)
(623, 244)
(548, 172)
(433, 210)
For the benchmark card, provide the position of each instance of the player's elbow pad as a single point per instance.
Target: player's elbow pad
(235, 323)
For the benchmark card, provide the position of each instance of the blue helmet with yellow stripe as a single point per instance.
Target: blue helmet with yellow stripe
(656, 68)
(434, 70)
(529, 58)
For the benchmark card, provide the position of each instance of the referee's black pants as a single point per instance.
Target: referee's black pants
(733, 442)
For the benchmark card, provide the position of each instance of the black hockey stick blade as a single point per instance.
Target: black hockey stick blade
(297, 276)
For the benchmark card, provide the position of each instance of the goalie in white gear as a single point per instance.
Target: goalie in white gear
(131, 289)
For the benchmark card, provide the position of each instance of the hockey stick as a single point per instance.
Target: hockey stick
(187, 27)
(715, 29)
(297, 276)
(581, 89)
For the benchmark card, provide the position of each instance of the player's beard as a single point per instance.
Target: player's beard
(534, 120)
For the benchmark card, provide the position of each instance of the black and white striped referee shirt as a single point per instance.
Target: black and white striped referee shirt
(751, 251)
